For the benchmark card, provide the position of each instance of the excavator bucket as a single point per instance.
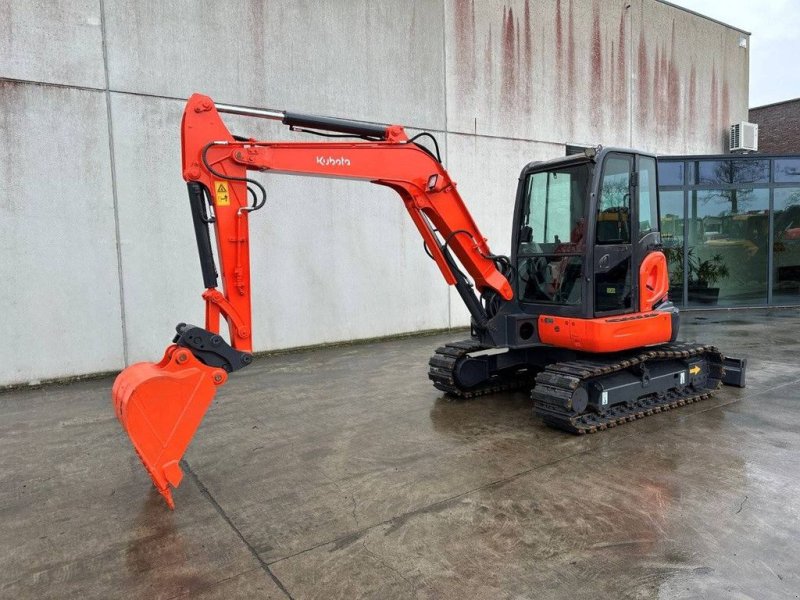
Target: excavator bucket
(161, 406)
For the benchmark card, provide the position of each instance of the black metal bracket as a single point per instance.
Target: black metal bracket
(735, 370)
(210, 349)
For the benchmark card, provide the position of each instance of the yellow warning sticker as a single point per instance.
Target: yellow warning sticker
(694, 370)
(221, 193)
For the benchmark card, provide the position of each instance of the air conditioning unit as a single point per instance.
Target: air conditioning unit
(744, 137)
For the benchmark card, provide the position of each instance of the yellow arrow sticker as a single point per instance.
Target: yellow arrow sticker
(221, 193)
(694, 370)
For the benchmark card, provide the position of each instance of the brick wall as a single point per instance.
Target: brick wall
(778, 127)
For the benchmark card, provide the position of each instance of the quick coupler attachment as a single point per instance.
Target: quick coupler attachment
(161, 404)
(210, 349)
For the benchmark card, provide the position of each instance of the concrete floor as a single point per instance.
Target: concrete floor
(341, 473)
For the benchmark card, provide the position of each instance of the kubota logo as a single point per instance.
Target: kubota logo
(332, 161)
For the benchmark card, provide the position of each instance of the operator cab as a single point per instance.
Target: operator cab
(583, 225)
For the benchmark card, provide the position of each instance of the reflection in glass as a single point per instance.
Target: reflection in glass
(672, 219)
(787, 170)
(728, 249)
(648, 196)
(786, 247)
(670, 173)
(715, 172)
(614, 203)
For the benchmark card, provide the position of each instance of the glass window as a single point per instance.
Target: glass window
(551, 237)
(648, 196)
(549, 195)
(714, 172)
(614, 204)
(550, 279)
(728, 248)
(786, 247)
(787, 170)
(554, 214)
(672, 220)
(670, 173)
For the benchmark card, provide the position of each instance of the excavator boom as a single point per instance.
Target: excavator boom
(161, 404)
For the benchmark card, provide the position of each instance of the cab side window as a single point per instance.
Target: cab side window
(614, 203)
(648, 196)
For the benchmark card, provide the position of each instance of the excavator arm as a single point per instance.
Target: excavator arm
(162, 404)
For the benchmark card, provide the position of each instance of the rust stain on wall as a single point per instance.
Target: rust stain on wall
(726, 104)
(559, 39)
(568, 98)
(620, 81)
(643, 81)
(692, 109)
(597, 68)
(673, 85)
(509, 60)
(663, 107)
(714, 100)
(656, 89)
(559, 72)
(528, 57)
(465, 45)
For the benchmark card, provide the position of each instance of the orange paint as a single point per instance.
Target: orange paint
(609, 334)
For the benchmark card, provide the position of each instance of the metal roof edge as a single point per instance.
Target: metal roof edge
(701, 15)
(774, 103)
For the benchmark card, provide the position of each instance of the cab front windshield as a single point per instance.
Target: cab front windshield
(551, 236)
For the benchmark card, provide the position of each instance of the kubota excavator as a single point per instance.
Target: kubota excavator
(579, 313)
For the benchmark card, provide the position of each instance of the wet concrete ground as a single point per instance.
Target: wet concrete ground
(341, 473)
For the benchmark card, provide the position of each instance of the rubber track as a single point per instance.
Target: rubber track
(442, 365)
(555, 384)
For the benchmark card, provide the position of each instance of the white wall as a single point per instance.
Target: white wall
(98, 256)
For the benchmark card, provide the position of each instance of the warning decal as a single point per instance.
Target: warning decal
(221, 193)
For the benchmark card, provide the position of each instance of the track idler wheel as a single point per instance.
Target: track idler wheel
(161, 406)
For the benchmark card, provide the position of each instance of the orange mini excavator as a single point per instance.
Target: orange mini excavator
(578, 314)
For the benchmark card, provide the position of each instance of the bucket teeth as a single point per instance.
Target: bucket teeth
(160, 406)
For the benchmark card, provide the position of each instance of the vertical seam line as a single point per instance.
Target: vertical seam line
(114, 194)
(446, 131)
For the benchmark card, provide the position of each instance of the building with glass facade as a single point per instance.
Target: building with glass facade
(731, 229)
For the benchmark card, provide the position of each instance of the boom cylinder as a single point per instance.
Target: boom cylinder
(295, 119)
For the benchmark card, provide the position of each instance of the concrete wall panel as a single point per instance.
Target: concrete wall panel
(690, 80)
(487, 171)
(59, 41)
(356, 58)
(615, 72)
(332, 260)
(60, 292)
(548, 70)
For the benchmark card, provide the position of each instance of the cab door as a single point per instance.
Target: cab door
(613, 252)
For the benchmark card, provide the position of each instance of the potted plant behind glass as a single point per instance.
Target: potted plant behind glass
(674, 256)
(702, 275)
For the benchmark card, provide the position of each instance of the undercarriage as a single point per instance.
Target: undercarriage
(585, 393)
